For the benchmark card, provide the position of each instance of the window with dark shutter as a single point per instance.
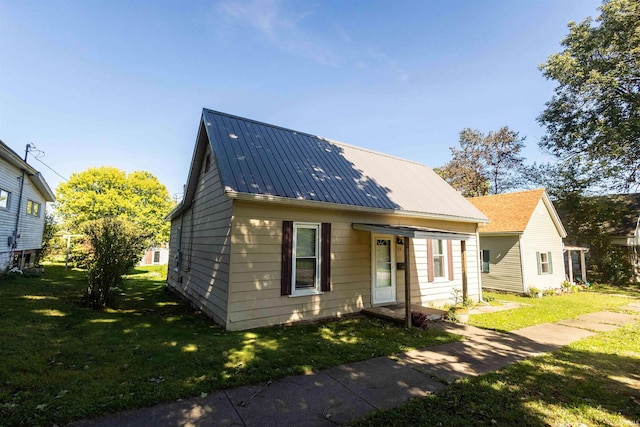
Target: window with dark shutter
(306, 258)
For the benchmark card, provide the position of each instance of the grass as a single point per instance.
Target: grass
(547, 309)
(594, 381)
(62, 362)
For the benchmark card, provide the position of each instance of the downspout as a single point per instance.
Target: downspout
(14, 243)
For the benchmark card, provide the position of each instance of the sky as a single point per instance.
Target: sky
(123, 83)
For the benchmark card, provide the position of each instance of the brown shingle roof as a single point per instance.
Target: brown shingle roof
(509, 213)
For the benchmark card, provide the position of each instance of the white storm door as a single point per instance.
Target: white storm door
(383, 283)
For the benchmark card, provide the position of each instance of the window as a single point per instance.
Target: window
(33, 208)
(156, 257)
(306, 254)
(544, 263)
(440, 260)
(484, 258)
(4, 198)
(439, 268)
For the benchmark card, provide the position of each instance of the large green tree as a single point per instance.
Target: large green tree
(593, 119)
(109, 192)
(485, 164)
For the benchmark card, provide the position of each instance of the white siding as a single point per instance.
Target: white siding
(541, 235)
(200, 240)
(505, 269)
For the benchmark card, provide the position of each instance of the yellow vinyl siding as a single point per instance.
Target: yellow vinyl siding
(202, 235)
(256, 236)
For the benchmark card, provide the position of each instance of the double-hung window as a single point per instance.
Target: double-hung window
(545, 265)
(484, 259)
(306, 253)
(4, 198)
(306, 257)
(439, 260)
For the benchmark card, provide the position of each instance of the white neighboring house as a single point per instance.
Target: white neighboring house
(155, 256)
(521, 248)
(23, 197)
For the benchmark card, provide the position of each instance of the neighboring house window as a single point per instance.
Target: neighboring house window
(484, 258)
(306, 255)
(544, 263)
(156, 257)
(440, 259)
(4, 198)
(33, 208)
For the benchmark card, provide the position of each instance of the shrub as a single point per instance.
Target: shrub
(115, 245)
(419, 320)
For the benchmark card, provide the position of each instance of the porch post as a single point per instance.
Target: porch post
(407, 281)
(570, 262)
(583, 267)
(465, 284)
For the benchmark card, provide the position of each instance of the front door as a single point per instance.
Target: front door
(383, 286)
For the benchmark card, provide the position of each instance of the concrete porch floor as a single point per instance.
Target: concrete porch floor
(396, 312)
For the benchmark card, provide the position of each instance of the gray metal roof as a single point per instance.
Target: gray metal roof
(264, 160)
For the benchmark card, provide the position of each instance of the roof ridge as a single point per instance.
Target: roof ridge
(322, 138)
(507, 194)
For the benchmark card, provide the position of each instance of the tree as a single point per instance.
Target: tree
(109, 192)
(593, 118)
(114, 246)
(48, 234)
(485, 164)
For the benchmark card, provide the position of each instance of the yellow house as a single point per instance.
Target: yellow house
(278, 226)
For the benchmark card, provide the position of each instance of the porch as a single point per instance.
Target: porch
(397, 312)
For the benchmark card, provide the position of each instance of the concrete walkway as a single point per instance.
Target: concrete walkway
(342, 394)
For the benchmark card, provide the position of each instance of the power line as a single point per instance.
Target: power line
(38, 154)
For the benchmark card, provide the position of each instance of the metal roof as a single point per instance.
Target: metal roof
(411, 231)
(258, 159)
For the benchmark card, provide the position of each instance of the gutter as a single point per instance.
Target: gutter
(326, 205)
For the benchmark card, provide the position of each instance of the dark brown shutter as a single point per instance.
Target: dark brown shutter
(325, 258)
(287, 257)
(450, 258)
(430, 259)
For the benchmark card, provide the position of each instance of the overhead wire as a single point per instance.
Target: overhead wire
(37, 154)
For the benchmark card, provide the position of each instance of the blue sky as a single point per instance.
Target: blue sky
(123, 83)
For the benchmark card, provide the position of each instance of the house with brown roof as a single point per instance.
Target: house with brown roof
(278, 226)
(521, 248)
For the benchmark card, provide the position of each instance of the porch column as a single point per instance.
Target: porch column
(570, 262)
(583, 267)
(407, 281)
(465, 284)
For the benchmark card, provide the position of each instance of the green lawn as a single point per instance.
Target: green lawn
(547, 309)
(592, 382)
(62, 362)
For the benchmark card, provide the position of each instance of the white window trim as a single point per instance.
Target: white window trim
(445, 261)
(548, 263)
(8, 204)
(310, 291)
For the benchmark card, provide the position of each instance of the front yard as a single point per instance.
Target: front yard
(62, 362)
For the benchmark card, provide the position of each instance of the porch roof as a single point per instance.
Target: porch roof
(412, 232)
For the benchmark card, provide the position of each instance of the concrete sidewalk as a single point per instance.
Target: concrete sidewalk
(342, 394)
